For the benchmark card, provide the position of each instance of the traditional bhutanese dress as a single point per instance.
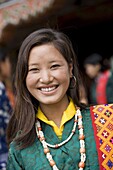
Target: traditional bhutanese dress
(67, 157)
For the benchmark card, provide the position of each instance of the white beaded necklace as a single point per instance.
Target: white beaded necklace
(40, 134)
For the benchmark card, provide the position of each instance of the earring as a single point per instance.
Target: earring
(72, 82)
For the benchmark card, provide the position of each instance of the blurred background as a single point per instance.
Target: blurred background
(88, 23)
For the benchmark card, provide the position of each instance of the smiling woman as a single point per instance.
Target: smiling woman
(50, 128)
(44, 81)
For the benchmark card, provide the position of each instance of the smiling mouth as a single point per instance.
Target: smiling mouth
(48, 89)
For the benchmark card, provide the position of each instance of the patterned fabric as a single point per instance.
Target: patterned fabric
(102, 116)
(5, 109)
(66, 157)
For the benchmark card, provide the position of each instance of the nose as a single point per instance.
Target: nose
(46, 77)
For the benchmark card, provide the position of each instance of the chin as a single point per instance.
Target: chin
(49, 102)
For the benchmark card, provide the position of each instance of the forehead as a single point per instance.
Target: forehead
(45, 51)
(90, 65)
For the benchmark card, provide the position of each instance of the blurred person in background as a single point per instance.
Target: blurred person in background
(6, 103)
(6, 75)
(101, 76)
(83, 93)
(111, 62)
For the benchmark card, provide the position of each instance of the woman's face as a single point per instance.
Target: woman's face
(92, 70)
(48, 75)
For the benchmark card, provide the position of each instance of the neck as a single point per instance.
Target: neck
(54, 114)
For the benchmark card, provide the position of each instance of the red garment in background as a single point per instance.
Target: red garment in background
(101, 96)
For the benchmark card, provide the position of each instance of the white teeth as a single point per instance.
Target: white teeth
(48, 89)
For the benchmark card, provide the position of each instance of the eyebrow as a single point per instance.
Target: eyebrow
(50, 62)
(33, 64)
(53, 61)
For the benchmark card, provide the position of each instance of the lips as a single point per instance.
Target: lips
(48, 89)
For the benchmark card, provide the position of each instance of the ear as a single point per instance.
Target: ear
(70, 69)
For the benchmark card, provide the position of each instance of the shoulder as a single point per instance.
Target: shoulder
(86, 116)
(12, 154)
(12, 148)
(85, 111)
(15, 153)
(101, 112)
(98, 108)
(14, 158)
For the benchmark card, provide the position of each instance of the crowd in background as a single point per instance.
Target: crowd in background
(99, 83)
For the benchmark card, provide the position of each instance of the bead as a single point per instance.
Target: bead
(82, 150)
(42, 138)
(46, 150)
(52, 163)
(56, 146)
(81, 137)
(39, 128)
(81, 165)
(73, 131)
(80, 126)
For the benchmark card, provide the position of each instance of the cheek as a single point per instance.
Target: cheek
(89, 70)
(30, 80)
(62, 74)
(65, 77)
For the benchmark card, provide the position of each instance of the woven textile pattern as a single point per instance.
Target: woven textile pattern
(103, 128)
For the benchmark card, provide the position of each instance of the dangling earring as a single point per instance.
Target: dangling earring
(72, 82)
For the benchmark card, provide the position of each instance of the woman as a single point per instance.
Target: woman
(46, 129)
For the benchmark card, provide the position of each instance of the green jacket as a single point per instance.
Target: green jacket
(66, 157)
